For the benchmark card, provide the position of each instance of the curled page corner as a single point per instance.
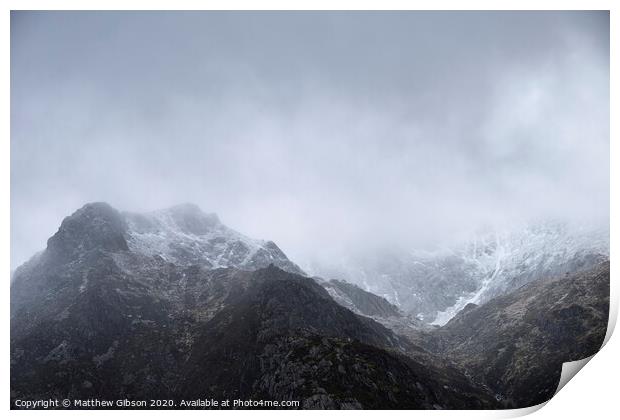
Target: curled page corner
(613, 315)
(519, 412)
(569, 370)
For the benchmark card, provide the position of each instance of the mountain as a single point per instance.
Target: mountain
(185, 235)
(516, 343)
(304, 346)
(368, 304)
(182, 235)
(358, 300)
(434, 286)
(172, 304)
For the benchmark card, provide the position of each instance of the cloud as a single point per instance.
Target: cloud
(325, 132)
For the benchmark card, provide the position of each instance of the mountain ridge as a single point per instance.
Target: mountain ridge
(98, 315)
(113, 323)
(434, 286)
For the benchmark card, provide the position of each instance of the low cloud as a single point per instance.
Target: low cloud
(326, 132)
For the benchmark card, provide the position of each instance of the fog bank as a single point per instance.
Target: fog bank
(325, 132)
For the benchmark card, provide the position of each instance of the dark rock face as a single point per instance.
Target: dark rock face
(95, 317)
(336, 373)
(170, 332)
(360, 301)
(311, 349)
(368, 304)
(516, 344)
(94, 226)
(176, 305)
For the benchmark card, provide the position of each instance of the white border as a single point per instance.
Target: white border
(593, 394)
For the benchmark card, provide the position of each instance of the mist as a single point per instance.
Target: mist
(324, 132)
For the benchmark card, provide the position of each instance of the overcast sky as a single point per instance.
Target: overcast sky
(320, 131)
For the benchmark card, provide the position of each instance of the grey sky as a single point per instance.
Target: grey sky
(321, 131)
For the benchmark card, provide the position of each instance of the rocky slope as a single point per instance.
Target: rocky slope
(312, 350)
(516, 344)
(358, 300)
(368, 304)
(115, 310)
(434, 286)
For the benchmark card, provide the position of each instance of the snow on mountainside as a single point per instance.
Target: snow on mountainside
(434, 286)
(105, 301)
(506, 261)
(427, 287)
(185, 235)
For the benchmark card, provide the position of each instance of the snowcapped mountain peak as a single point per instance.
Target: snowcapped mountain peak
(185, 235)
(182, 235)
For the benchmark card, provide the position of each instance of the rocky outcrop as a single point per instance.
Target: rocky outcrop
(94, 226)
(516, 344)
